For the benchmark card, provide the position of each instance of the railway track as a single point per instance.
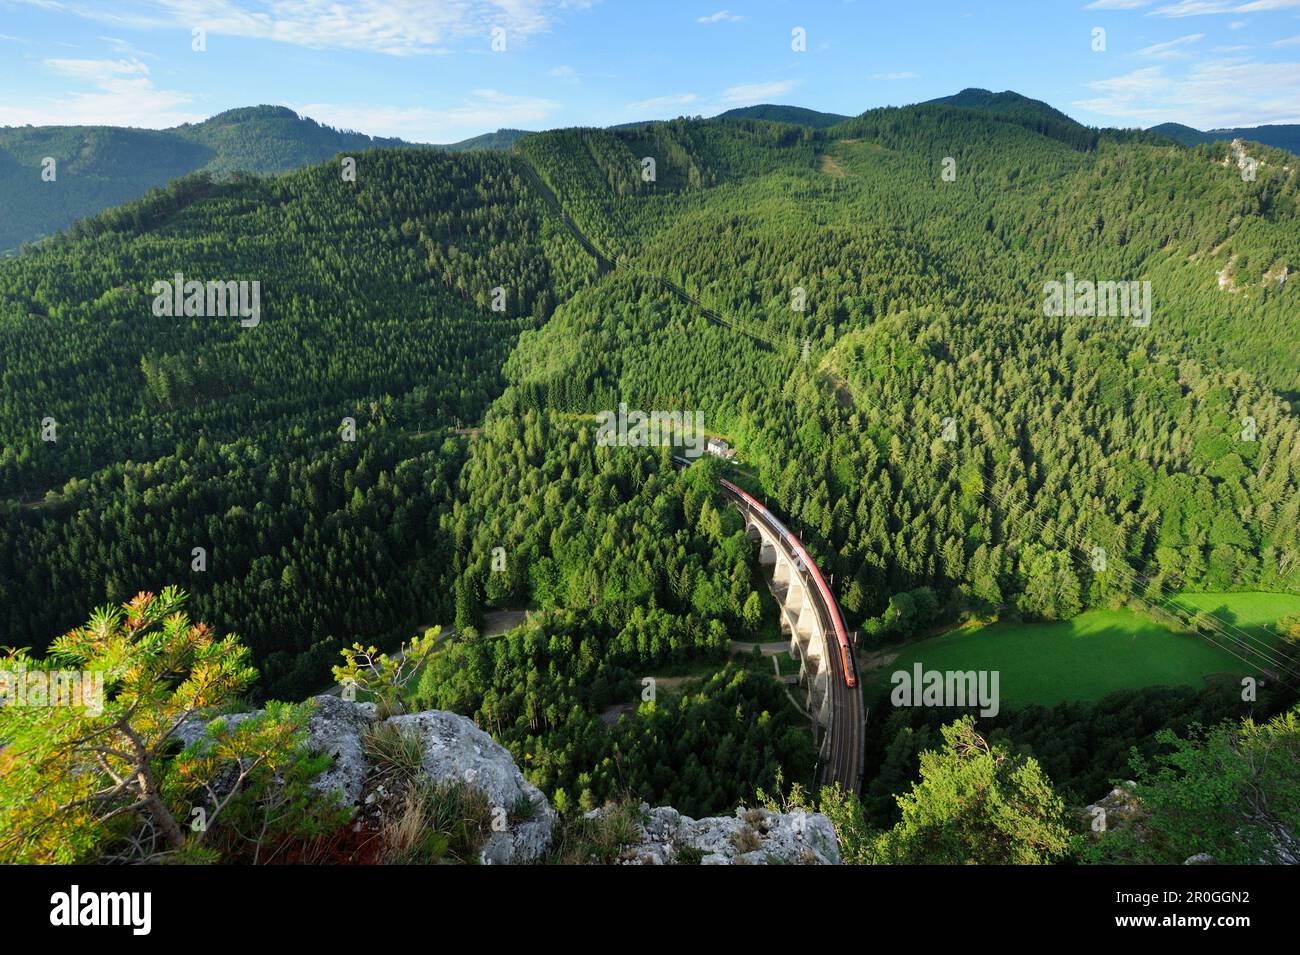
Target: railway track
(841, 760)
(842, 754)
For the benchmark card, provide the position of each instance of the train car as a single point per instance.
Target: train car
(832, 606)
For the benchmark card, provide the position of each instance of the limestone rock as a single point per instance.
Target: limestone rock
(456, 749)
(337, 727)
(750, 837)
(1118, 809)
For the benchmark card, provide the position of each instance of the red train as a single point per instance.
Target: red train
(832, 606)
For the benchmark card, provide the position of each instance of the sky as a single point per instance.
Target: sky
(445, 70)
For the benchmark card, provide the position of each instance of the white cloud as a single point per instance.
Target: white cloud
(393, 27)
(722, 16)
(749, 93)
(1208, 96)
(744, 94)
(663, 104)
(483, 111)
(123, 95)
(1289, 41)
(1171, 49)
(893, 76)
(125, 48)
(1195, 8)
(98, 71)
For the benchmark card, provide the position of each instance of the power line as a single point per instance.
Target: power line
(1276, 663)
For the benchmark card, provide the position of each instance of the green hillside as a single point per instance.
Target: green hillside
(798, 115)
(1280, 137)
(234, 432)
(900, 314)
(501, 139)
(868, 331)
(96, 167)
(272, 139)
(1031, 113)
(103, 166)
(1099, 652)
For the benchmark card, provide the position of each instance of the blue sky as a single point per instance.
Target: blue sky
(426, 70)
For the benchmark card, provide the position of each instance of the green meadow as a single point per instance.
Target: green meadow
(1098, 652)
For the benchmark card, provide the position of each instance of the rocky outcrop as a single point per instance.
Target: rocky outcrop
(1122, 810)
(750, 837)
(1118, 809)
(456, 749)
(337, 728)
(524, 828)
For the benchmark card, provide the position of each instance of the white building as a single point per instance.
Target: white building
(720, 448)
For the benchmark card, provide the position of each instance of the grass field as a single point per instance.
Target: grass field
(1255, 613)
(1097, 652)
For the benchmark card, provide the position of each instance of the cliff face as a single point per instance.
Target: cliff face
(750, 837)
(455, 750)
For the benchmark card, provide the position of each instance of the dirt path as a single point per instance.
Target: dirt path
(767, 649)
(497, 622)
(876, 659)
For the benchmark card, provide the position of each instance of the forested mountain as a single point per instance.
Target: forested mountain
(102, 166)
(501, 139)
(1182, 134)
(1030, 113)
(876, 345)
(201, 432)
(1280, 136)
(798, 115)
(952, 285)
(95, 167)
(1006, 103)
(271, 139)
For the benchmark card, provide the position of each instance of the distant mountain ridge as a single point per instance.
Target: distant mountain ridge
(1030, 113)
(97, 167)
(273, 139)
(796, 115)
(1282, 136)
(1007, 102)
(501, 140)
